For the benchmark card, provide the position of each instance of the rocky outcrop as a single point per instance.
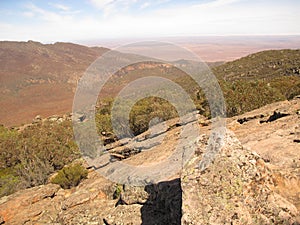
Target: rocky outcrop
(28, 206)
(94, 202)
(235, 189)
(275, 142)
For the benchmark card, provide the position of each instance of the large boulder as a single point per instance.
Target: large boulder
(237, 188)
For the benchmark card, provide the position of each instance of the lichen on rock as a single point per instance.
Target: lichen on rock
(234, 189)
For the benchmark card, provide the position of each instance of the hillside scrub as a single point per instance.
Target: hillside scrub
(247, 84)
(28, 157)
(240, 96)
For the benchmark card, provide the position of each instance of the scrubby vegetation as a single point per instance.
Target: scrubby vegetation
(28, 157)
(141, 114)
(259, 79)
(262, 65)
(242, 96)
(70, 176)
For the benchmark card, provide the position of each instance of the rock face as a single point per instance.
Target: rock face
(270, 138)
(235, 189)
(276, 142)
(29, 205)
(94, 201)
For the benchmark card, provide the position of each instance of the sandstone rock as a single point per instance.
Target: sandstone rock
(276, 144)
(1, 220)
(29, 205)
(135, 195)
(235, 189)
(37, 119)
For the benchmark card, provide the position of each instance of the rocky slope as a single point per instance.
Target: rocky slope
(273, 131)
(236, 189)
(254, 180)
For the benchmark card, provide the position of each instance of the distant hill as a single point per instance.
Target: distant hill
(259, 79)
(267, 64)
(40, 79)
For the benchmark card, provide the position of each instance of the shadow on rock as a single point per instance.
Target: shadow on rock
(164, 204)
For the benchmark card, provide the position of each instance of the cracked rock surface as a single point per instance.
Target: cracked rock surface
(235, 189)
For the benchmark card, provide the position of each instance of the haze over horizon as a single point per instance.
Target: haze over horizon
(82, 21)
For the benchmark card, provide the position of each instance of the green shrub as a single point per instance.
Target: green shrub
(70, 176)
(147, 109)
(142, 112)
(118, 191)
(9, 151)
(29, 156)
(9, 182)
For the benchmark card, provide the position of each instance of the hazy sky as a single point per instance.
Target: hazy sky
(69, 20)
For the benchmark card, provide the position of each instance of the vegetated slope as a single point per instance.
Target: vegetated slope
(30, 155)
(259, 79)
(273, 77)
(267, 64)
(40, 79)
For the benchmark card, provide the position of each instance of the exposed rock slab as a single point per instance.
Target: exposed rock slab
(276, 142)
(235, 189)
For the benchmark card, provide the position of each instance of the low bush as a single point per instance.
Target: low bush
(9, 182)
(70, 176)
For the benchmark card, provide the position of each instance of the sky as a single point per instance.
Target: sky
(72, 20)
